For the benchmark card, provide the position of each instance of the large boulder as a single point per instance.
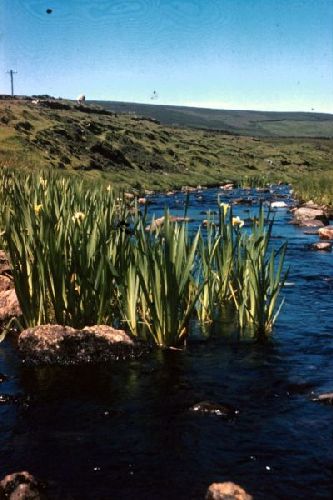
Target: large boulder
(326, 233)
(306, 213)
(21, 486)
(9, 305)
(56, 344)
(226, 491)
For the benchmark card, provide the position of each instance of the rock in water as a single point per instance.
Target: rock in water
(278, 204)
(226, 491)
(306, 213)
(21, 486)
(214, 409)
(227, 187)
(63, 345)
(326, 233)
(322, 246)
(326, 398)
(311, 223)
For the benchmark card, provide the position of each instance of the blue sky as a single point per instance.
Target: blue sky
(232, 54)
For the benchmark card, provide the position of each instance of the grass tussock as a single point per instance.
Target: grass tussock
(317, 187)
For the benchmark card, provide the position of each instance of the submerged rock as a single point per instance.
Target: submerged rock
(21, 486)
(311, 232)
(326, 233)
(242, 201)
(9, 305)
(322, 245)
(299, 388)
(226, 491)
(214, 409)
(56, 344)
(311, 223)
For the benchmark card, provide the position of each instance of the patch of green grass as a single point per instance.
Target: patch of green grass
(317, 187)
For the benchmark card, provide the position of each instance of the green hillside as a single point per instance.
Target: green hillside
(133, 151)
(255, 123)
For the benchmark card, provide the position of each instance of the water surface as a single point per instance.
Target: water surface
(125, 430)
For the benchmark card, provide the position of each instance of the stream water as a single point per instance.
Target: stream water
(125, 431)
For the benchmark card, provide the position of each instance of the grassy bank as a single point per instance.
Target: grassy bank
(317, 187)
(138, 153)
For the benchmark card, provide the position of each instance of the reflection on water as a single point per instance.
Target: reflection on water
(125, 430)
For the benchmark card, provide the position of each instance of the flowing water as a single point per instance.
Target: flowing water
(125, 430)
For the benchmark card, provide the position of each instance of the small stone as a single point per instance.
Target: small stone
(21, 486)
(326, 233)
(207, 407)
(278, 204)
(325, 398)
(226, 491)
(322, 246)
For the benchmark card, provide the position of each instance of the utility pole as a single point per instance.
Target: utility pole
(11, 72)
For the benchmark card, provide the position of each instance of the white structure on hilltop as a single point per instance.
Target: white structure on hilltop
(81, 99)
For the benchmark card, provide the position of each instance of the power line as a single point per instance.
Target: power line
(12, 72)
